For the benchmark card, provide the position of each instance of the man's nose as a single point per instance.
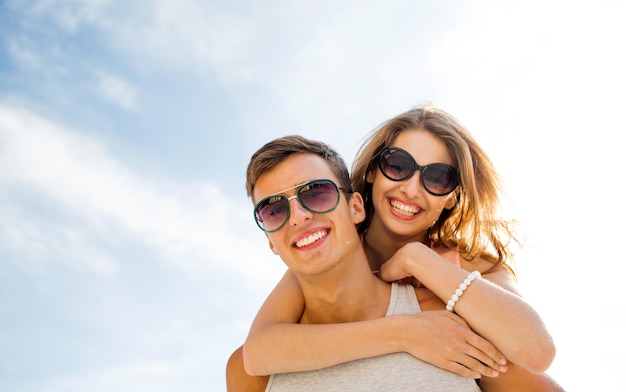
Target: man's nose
(298, 212)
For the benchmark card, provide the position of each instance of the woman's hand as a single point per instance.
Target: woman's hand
(399, 265)
(445, 340)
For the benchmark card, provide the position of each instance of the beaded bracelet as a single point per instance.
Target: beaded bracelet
(462, 287)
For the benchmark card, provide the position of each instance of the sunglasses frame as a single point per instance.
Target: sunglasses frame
(416, 167)
(296, 196)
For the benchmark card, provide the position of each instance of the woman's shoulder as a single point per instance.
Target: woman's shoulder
(498, 274)
(482, 264)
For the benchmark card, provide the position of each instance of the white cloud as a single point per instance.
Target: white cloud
(122, 377)
(159, 34)
(116, 90)
(20, 49)
(69, 14)
(36, 241)
(101, 200)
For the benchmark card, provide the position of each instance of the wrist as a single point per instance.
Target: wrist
(415, 260)
(397, 332)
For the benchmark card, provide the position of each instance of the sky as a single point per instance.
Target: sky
(129, 257)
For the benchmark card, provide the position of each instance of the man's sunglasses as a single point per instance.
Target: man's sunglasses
(438, 179)
(317, 196)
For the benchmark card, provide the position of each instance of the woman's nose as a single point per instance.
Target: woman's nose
(412, 186)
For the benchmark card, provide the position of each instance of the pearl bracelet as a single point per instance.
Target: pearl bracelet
(462, 287)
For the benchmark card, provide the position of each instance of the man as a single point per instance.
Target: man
(303, 202)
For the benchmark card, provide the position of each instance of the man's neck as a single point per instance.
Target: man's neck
(349, 292)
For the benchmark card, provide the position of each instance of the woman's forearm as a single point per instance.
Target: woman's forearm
(510, 323)
(496, 314)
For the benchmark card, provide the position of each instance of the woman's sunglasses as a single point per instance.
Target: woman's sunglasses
(438, 179)
(317, 196)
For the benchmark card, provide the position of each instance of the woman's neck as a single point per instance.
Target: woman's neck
(380, 244)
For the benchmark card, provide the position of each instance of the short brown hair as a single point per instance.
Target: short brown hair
(276, 151)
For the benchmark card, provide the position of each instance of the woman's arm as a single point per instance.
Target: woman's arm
(491, 305)
(277, 344)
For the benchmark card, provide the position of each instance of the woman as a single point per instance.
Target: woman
(435, 225)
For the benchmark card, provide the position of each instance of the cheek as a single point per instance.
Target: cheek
(437, 205)
(274, 241)
(378, 194)
(381, 187)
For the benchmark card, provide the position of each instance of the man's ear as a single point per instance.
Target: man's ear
(357, 208)
(271, 245)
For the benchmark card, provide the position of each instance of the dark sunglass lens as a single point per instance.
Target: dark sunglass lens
(397, 165)
(439, 179)
(319, 196)
(272, 212)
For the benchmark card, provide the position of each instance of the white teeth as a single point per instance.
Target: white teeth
(404, 209)
(311, 239)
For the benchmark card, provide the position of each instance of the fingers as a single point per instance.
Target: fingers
(471, 355)
(445, 340)
(483, 350)
(462, 370)
(487, 353)
(467, 364)
(478, 362)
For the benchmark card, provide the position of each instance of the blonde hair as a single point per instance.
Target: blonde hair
(475, 223)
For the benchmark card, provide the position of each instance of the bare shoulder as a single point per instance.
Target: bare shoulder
(500, 275)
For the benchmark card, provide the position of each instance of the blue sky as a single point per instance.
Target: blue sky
(129, 259)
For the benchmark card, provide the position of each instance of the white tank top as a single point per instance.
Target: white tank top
(391, 372)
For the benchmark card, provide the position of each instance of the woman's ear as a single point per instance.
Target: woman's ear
(370, 176)
(357, 208)
(451, 200)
